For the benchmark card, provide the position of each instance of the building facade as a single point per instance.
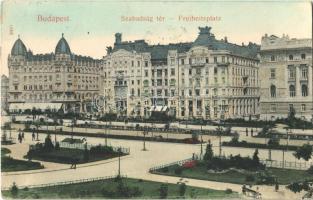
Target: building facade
(4, 94)
(59, 80)
(207, 78)
(286, 74)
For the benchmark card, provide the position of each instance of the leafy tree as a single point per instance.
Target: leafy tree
(219, 130)
(305, 152)
(208, 152)
(86, 153)
(228, 130)
(291, 114)
(195, 136)
(14, 190)
(310, 170)
(122, 190)
(273, 142)
(255, 157)
(295, 187)
(48, 146)
(182, 189)
(193, 193)
(235, 139)
(163, 191)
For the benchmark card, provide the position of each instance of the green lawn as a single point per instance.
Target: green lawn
(284, 176)
(9, 164)
(109, 189)
(72, 141)
(67, 155)
(5, 151)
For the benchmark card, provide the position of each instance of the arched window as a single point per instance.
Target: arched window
(273, 91)
(304, 90)
(292, 90)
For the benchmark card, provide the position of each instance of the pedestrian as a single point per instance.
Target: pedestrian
(33, 135)
(247, 132)
(251, 132)
(72, 163)
(244, 189)
(19, 137)
(276, 187)
(23, 136)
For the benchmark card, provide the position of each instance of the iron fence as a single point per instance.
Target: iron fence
(68, 182)
(180, 162)
(125, 150)
(286, 164)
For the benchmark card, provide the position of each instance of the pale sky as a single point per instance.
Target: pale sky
(240, 21)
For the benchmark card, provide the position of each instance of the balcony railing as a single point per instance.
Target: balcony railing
(200, 64)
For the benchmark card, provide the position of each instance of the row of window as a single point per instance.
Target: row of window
(273, 107)
(58, 69)
(126, 62)
(291, 72)
(216, 59)
(292, 90)
(290, 57)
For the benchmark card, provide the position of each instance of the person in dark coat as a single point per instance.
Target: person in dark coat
(19, 137)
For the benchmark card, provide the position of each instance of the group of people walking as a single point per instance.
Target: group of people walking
(247, 132)
(20, 136)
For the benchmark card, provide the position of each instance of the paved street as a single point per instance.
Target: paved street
(135, 165)
(264, 153)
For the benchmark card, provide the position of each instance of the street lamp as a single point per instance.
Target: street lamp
(37, 127)
(106, 134)
(145, 132)
(73, 121)
(288, 131)
(119, 162)
(201, 138)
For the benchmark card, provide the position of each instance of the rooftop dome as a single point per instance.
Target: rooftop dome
(18, 48)
(62, 47)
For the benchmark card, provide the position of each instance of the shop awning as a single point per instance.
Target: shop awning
(41, 106)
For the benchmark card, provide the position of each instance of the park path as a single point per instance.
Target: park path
(136, 165)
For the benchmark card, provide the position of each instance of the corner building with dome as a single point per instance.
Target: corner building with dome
(54, 81)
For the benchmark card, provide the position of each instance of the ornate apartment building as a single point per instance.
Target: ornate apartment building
(286, 74)
(53, 81)
(207, 78)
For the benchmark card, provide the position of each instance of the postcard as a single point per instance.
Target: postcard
(172, 99)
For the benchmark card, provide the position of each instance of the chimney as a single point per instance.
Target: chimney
(225, 39)
(109, 50)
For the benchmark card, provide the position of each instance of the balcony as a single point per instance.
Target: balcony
(291, 79)
(303, 79)
(198, 64)
(219, 64)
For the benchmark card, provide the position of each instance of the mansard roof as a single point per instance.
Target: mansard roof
(205, 38)
(39, 57)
